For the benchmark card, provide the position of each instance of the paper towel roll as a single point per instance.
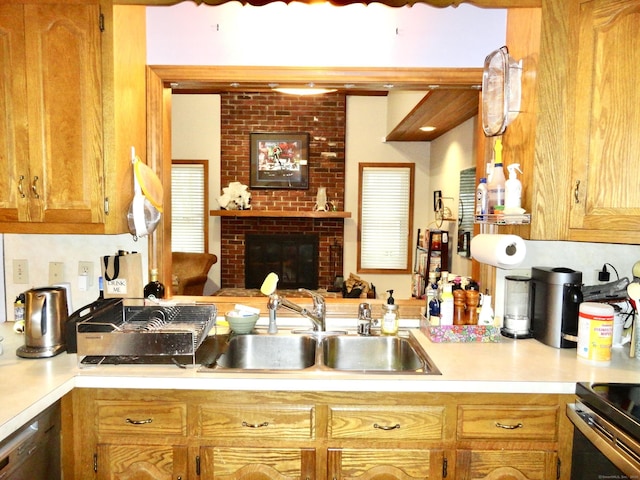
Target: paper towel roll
(503, 251)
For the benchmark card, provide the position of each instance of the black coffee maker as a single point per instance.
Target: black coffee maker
(556, 295)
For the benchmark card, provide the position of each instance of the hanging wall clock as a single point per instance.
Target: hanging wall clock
(501, 86)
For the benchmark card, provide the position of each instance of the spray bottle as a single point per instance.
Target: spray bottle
(513, 188)
(497, 181)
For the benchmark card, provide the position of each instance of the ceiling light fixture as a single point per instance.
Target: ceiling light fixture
(428, 128)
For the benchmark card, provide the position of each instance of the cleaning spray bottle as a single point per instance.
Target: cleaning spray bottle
(513, 188)
(390, 316)
(497, 181)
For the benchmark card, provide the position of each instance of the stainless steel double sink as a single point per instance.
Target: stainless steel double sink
(313, 351)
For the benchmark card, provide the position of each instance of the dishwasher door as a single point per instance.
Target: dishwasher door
(33, 452)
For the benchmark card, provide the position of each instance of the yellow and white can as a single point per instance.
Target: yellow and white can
(595, 332)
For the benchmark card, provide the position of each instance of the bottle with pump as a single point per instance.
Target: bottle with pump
(497, 182)
(513, 188)
(390, 316)
(154, 289)
(482, 199)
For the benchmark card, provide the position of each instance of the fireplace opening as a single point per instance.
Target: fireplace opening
(293, 257)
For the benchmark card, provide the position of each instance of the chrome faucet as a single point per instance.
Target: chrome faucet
(365, 320)
(317, 315)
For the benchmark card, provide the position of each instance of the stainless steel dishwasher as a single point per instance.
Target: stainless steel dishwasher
(33, 451)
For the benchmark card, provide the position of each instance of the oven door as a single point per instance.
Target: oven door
(601, 450)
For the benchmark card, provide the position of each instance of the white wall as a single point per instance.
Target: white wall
(450, 153)
(39, 250)
(323, 35)
(195, 124)
(366, 129)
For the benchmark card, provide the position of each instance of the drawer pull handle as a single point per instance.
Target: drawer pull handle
(576, 192)
(386, 427)
(20, 187)
(255, 425)
(509, 427)
(139, 422)
(34, 187)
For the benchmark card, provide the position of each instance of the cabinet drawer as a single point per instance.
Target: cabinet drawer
(509, 423)
(387, 423)
(142, 418)
(290, 422)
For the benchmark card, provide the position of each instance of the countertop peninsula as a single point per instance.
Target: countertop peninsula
(509, 366)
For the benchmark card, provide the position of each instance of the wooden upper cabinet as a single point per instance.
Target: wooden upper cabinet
(14, 135)
(66, 160)
(606, 202)
(588, 133)
(65, 113)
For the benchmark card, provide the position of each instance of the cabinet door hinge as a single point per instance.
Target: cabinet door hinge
(106, 205)
(444, 468)
(95, 462)
(198, 465)
(558, 465)
(101, 22)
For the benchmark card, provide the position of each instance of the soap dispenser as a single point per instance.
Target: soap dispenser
(390, 316)
(513, 188)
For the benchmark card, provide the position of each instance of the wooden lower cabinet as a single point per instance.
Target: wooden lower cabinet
(122, 434)
(142, 462)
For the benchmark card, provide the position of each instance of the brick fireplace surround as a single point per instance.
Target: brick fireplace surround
(324, 118)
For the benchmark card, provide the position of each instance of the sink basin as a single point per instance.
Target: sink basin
(371, 354)
(268, 352)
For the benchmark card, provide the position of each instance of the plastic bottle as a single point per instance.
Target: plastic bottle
(513, 188)
(497, 182)
(154, 289)
(446, 306)
(390, 316)
(482, 199)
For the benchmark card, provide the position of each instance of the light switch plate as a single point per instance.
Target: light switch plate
(20, 271)
(56, 272)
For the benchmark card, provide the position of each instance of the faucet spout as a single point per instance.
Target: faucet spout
(317, 315)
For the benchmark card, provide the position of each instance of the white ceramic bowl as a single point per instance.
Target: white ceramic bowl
(241, 323)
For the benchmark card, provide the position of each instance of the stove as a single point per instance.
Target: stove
(617, 402)
(606, 441)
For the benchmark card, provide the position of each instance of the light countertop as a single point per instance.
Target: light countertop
(510, 366)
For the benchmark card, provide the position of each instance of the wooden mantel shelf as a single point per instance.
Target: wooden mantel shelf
(278, 213)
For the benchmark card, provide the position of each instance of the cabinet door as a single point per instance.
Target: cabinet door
(65, 177)
(506, 465)
(14, 139)
(142, 462)
(606, 203)
(388, 464)
(226, 463)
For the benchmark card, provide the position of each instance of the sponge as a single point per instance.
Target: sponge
(270, 284)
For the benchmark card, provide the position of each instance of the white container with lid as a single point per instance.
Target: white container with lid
(595, 332)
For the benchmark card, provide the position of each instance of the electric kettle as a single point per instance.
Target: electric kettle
(46, 314)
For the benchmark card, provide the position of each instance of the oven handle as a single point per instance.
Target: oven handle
(610, 447)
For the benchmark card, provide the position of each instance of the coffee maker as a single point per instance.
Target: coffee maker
(556, 294)
(46, 313)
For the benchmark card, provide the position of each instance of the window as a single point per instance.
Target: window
(189, 201)
(385, 217)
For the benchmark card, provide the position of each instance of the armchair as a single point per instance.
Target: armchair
(190, 272)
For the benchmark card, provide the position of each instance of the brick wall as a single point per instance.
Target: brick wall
(324, 118)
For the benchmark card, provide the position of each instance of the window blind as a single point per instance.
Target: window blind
(188, 207)
(385, 217)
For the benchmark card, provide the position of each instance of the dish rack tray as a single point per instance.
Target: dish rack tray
(139, 331)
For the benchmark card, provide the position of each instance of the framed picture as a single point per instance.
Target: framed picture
(280, 161)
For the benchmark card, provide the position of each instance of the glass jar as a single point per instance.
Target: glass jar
(390, 319)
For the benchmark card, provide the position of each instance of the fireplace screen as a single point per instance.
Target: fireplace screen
(293, 257)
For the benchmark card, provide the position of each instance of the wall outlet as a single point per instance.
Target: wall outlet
(86, 269)
(20, 271)
(56, 272)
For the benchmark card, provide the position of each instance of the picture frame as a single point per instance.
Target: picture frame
(279, 161)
